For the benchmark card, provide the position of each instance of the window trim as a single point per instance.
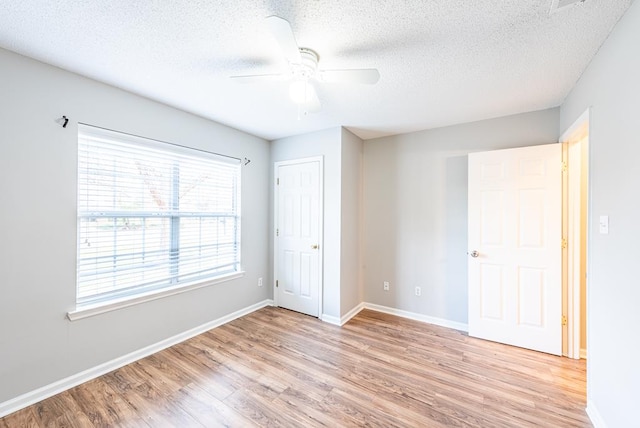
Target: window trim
(87, 311)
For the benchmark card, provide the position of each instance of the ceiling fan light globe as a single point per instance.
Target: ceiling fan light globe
(301, 91)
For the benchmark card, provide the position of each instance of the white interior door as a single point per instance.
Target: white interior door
(515, 247)
(298, 227)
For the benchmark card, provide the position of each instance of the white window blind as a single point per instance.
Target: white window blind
(152, 215)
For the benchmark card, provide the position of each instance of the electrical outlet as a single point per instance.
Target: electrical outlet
(385, 286)
(418, 291)
(259, 282)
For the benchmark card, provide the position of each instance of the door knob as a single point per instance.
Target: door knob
(474, 253)
(314, 247)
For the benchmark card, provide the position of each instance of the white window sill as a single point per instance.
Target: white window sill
(90, 310)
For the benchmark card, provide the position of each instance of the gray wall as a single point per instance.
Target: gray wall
(611, 87)
(38, 345)
(415, 209)
(350, 226)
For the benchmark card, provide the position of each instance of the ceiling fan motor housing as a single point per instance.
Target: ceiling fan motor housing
(308, 64)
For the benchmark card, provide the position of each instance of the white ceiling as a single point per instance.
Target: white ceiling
(441, 62)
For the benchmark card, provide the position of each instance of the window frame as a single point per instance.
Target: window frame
(141, 292)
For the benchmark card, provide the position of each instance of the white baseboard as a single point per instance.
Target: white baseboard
(345, 318)
(330, 319)
(594, 415)
(352, 313)
(417, 317)
(393, 311)
(57, 387)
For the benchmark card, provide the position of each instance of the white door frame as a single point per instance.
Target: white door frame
(571, 217)
(277, 165)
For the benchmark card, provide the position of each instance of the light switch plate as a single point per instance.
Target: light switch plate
(604, 224)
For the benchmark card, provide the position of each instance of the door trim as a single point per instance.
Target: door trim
(276, 165)
(574, 134)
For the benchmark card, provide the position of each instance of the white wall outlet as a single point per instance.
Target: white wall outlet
(418, 291)
(385, 286)
(260, 282)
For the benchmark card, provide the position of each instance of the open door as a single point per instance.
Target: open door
(515, 247)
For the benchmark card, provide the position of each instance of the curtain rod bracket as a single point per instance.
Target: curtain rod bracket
(64, 120)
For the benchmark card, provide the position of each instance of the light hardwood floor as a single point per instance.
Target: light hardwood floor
(279, 368)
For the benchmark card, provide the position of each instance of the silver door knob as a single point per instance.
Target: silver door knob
(314, 247)
(474, 253)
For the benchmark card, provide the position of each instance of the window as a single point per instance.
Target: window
(152, 216)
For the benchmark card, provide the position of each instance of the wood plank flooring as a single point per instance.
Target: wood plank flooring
(277, 368)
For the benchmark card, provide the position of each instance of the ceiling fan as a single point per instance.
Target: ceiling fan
(303, 68)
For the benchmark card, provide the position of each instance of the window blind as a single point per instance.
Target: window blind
(152, 215)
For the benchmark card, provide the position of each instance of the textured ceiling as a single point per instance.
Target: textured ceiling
(441, 61)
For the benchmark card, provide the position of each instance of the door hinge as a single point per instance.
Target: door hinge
(564, 320)
(564, 243)
(564, 166)
(276, 282)
(277, 181)
(277, 232)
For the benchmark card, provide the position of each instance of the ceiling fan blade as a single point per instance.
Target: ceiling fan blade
(253, 78)
(364, 75)
(281, 30)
